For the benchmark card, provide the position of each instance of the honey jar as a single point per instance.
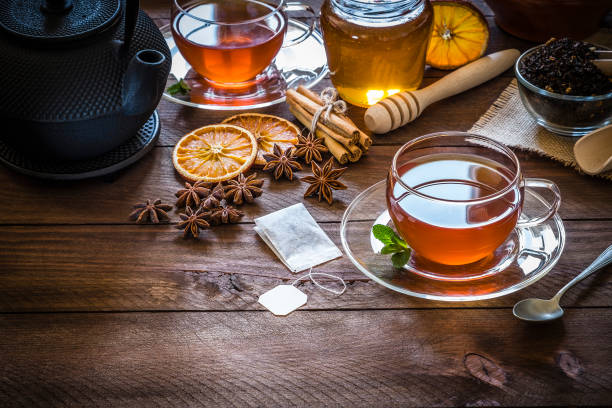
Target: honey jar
(375, 48)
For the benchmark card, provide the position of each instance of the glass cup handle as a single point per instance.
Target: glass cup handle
(292, 6)
(552, 208)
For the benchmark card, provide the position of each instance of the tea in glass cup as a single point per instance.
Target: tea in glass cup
(230, 42)
(456, 197)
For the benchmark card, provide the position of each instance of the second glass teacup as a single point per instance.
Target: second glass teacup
(456, 197)
(230, 42)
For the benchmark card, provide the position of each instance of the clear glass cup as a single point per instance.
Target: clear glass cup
(231, 42)
(455, 197)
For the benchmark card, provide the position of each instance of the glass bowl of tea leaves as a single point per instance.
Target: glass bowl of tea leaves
(562, 89)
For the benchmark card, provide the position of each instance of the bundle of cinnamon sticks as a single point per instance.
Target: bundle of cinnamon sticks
(343, 139)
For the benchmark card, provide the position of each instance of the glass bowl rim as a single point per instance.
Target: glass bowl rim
(275, 10)
(513, 183)
(553, 95)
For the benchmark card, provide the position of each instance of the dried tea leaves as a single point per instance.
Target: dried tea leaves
(565, 66)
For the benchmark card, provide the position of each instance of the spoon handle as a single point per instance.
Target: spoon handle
(602, 260)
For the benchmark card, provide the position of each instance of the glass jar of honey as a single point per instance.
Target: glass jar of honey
(375, 48)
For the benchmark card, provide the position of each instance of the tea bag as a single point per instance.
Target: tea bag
(299, 242)
(296, 238)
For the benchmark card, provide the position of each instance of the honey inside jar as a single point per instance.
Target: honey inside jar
(375, 49)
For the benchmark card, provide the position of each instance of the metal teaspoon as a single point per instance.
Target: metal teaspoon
(540, 310)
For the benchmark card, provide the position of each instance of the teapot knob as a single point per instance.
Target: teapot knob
(56, 6)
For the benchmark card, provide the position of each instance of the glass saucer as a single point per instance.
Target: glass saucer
(304, 63)
(527, 256)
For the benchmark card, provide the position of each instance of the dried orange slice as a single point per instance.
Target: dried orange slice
(460, 34)
(268, 130)
(214, 153)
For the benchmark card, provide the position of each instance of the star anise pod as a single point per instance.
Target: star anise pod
(323, 180)
(282, 162)
(243, 189)
(150, 211)
(214, 198)
(192, 194)
(310, 148)
(225, 214)
(192, 221)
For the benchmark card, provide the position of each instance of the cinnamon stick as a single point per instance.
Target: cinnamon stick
(354, 153)
(335, 148)
(364, 140)
(308, 117)
(335, 121)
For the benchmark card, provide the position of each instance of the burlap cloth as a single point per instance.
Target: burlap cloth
(508, 122)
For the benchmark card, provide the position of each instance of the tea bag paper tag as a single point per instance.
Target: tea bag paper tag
(296, 238)
(283, 299)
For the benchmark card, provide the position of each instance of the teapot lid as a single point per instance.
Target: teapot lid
(57, 21)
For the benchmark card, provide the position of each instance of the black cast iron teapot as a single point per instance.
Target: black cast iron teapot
(78, 77)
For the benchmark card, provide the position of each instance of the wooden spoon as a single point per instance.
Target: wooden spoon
(593, 152)
(404, 107)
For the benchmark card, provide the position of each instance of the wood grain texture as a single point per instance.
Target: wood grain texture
(109, 200)
(326, 358)
(122, 268)
(175, 323)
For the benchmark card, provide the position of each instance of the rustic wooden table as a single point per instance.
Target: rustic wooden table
(97, 311)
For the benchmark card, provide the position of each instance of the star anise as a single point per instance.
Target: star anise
(214, 198)
(150, 211)
(243, 189)
(192, 221)
(310, 148)
(225, 214)
(192, 194)
(324, 180)
(282, 162)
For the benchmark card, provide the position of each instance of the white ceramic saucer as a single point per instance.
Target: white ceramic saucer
(304, 63)
(527, 255)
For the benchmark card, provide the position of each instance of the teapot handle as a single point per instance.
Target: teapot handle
(131, 17)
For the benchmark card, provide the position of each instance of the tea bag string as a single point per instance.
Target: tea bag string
(311, 274)
(329, 96)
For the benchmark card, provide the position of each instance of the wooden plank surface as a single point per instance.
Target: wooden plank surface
(109, 200)
(96, 311)
(319, 358)
(123, 268)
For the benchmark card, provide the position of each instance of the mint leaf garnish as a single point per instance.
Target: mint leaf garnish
(393, 245)
(383, 233)
(180, 87)
(400, 259)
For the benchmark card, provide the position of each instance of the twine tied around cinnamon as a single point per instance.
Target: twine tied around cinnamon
(329, 96)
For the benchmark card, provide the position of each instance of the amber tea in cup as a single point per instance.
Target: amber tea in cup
(228, 42)
(456, 197)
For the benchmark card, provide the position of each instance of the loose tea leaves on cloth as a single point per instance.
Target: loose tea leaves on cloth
(508, 122)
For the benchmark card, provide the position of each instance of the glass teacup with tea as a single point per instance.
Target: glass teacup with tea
(455, 198)
(231, 43)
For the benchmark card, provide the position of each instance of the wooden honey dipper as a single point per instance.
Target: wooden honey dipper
(404, 107)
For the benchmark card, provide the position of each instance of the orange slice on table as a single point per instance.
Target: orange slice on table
(268, 130)
(214, 153)
(460, 34)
